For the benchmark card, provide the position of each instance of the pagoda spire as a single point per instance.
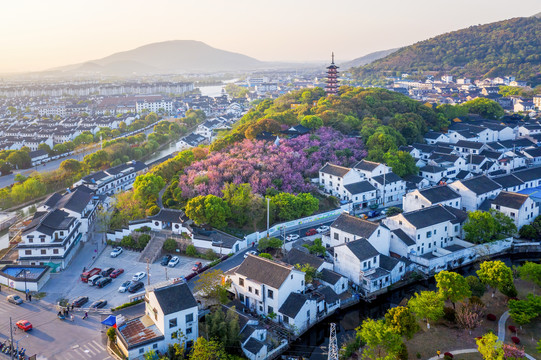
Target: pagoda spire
(332, 78)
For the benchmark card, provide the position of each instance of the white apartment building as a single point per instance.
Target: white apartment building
(520, 208)
(115, 179)
(165, 105)
(474, 191)
(424, 198)
(333, 178)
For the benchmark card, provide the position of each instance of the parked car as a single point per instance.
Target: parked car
(373, 213)
(174, 261)
(103, 281)
(322, 229)
(24, 325)
(116, 251)
(252, 252)
(14, 299)
(106, 272)
(165, 260)
(80, 301)
(311, 232)
(135, 286)
(92, 281)
(98, 304)
(124, 286)
(138, 276)
(292, 237)
(197, 266)
(116, 273)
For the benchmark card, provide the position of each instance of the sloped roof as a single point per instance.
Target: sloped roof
(354, 225)
(330, 296)
(253, 346)
(510, 199)
(469, 144)
(335, 170)
(264, 271)
(293, 304)
(507, 181)
(438, 194)
(168, 215)
(432, 169)
(175, 298)
(359, 187)
(529, 174)
(366, 165)
(388, 263)
(433, 215)
(389, 178)
(329, 276)
(480, 184)
(296, 256)
(75, 201)
(406, 239)
(361, 248)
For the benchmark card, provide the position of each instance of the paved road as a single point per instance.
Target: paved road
(51, 338)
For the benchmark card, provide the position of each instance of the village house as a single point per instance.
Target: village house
(474, 191)
(171, 312)
(115, 179)
(333, 179)
(520, 208)
(421, 198)
(391, 188)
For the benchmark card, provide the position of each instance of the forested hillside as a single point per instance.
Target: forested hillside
(509, 47)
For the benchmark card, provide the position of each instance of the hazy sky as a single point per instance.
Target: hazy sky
(40, 34)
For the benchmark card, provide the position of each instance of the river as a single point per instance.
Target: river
(215, 90)
(314, 343)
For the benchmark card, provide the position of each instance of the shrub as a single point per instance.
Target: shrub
(418, 355)
(512, 328)
(449, 314)
(143, 229)
(191, 250)
(448, 354)
(475, 300)
(153, 210)
(491, 317)
(210, 255)
(170, 245)
(111, 333)
(402, 353)
(266, 256)
(509, 291)
(515, 339)
(142, 241)
(476, 286)
(127, 241)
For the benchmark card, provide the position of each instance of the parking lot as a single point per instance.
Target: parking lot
(67, 284)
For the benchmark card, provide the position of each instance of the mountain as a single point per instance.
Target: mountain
(177, 56)
(367, 59)
(509, 47)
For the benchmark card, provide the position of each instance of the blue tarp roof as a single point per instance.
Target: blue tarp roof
(110, 321)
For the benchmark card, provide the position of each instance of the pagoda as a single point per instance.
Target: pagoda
(332, 78)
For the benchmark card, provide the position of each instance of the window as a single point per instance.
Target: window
(512, 214)
(418, 236)
(270, 294)
(189, 318)
(241, 298)
(30, 240)
(456, 228)
(401, 268)
(434, 231)
(55, 251)
(375, 260)
(270, 309)
(428, 234)
(429, 245)
(257, 291)
(291, 276)
(241, 282)
(249, 289)
(155, 346)
(336, 237)
(285, 319)
(141, 351)
(43, 252)
(28, 252)
(188, 331)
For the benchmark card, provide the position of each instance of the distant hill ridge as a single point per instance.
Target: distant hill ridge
(509, 47)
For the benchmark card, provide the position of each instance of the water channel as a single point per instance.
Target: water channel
(314, 343)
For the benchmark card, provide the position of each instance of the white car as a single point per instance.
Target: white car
(322, 229)
(174, 261)
(116, 251)
(253, 252)
(124, 286)
(138, 276)
(292, 237)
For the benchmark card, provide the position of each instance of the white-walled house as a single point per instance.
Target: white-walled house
(263, 285)
(530, 177)
(370, 168)
(360, 262)
(419, 199)
(347, 228)
(362, 194)
(391, 188)
(51, 238)
(474, 191)
(170, 311)
(510, 182)
(115, 179)
(519, 207)
(333, 178)
(298, 312)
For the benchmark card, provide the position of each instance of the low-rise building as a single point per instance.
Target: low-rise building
(419, 199)
(474, 191)
(520, 208)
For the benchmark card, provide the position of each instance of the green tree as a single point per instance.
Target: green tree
(147, 187)
(476, 286)
(210, 285)
(204, 349)
(317, 248)
(266, 256)
(489, 347)
(270, 243)
(170, 245)
(452, 286)
(382, 343)
(71, 166)
(208, 209)
(242, 201)
(310, 272)
(496, 274)
(312, 122)
(531, 271)
(5, 167)
(483, 227)
(427, 305)
(402, 321)
(44, 147)
(487, 108)
(522, 311)
(401, 162)
(224, 327)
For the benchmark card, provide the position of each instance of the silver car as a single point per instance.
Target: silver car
(124, 286)
(14, 299)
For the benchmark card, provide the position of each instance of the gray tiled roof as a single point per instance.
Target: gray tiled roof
(335, 170)
(264, 271)
(361, 248)
(508, 181)
(406, 239)
(359, 187)
(329, 276)
(175, 298)
(510, 199)
(432, 215)
(293, 304)
(354, 225)
(389, 178)
(438, 194)
(529, 174)
(366, 165)
(253, 346)
(296, 256)
(480, 184)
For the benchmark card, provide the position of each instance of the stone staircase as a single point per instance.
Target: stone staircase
(153, 248)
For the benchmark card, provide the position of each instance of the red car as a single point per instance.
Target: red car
(197, 266)
(311, 232)
(116, 273)
(24, 325)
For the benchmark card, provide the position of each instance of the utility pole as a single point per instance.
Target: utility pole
(11, 334)
(333, 344)
(148, 272)
(166, 278)
(268, 217)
